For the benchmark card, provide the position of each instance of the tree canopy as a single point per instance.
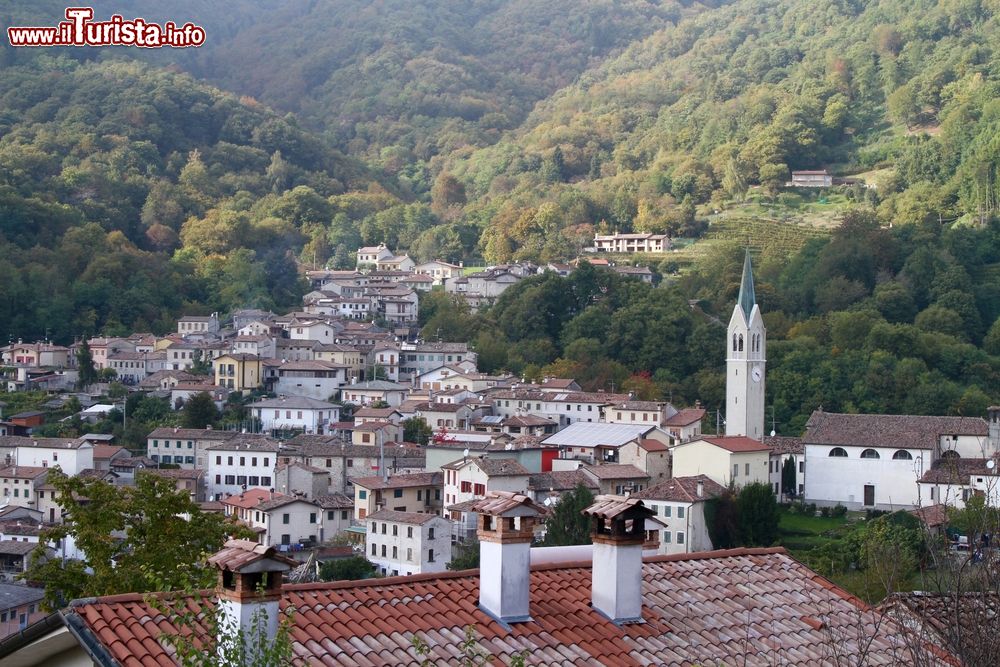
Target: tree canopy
(138, 538)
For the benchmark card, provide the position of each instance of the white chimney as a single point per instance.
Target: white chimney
(618, 529)
(700, 489)
(249, 594)
(506, 529)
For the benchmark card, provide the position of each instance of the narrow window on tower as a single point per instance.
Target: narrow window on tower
(741, 343)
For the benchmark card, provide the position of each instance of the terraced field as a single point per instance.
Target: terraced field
(763, 234)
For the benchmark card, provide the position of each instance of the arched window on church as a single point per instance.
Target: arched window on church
(838, 452)
(902, 455)
(870, 454)
(741, 342)
(734, 342)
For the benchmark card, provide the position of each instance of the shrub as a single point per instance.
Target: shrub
(838, 511)
(824, 512)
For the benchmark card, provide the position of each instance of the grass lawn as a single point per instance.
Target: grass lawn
(800, 533)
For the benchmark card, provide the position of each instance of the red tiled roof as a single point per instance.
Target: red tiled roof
(781, 444)
(892, 431)
(651, 445)
(23, 472)
(616, 471)
(252, 498)
(743, 605)
(686, 417)
(682, 489)
(932, 516)
(106, 451)
(736, 443)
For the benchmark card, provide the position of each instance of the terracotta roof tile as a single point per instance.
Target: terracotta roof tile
(742, 605)
(735, 443)
(682, 489)
(893, 431)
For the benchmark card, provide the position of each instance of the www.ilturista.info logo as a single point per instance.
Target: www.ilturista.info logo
(80, 30)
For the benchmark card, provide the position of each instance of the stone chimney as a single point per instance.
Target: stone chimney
(618, 529)
(249, 594)
(505, 530)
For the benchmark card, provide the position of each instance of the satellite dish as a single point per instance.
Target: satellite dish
(547, 502)
(991, 464)
(772, 433)
(466, 452)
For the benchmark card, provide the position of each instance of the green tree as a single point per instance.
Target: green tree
(788, 477)
(568, 525)
(758, 512)
(464, 555)
(722, 516)
(346, 569)
(416, 429)
(87, 373)
(199, 411)
(201, 365)
(135, 539)
(553, 168)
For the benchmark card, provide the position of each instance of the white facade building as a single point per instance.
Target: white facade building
(241, 464)
(679, 505)
(290, 413)
(70, 455)
(874, 461)
(404, 543)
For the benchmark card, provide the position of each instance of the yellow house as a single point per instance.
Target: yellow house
(239, 372)
(342, 355)
(723, 459)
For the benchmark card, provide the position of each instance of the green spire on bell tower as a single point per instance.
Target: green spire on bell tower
(747, 297)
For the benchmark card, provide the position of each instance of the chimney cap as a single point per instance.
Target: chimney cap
(239, 555)
(507, 504)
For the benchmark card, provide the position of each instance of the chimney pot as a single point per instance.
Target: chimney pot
(505, 530)
(618, 532)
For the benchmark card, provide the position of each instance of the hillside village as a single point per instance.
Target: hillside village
(515, 333)
(337, 386)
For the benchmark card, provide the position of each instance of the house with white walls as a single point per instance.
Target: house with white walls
(875, 461)
(679, 506)
(404, 543)
(240, 464)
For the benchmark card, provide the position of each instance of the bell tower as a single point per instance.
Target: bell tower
(746, 345)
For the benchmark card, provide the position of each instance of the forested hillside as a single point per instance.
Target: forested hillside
(686, 120)
(132, 194)
(133, 191)
(869, 320)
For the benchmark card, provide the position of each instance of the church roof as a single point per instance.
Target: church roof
(747, 298)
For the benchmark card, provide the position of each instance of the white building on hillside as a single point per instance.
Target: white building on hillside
(243, 463)
(295, 413)
(404, 543)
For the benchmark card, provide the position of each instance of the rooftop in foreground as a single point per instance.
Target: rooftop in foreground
(751, 606)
